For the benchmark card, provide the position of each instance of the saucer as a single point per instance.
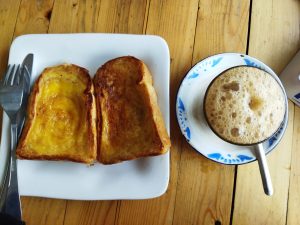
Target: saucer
(190, 116)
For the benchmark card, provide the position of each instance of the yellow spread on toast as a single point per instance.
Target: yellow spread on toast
(59, 111)
(59, 125)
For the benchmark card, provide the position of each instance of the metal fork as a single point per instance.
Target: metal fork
(11, 96)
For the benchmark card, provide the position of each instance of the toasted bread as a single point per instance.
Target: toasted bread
(61, 117)
(129, 122)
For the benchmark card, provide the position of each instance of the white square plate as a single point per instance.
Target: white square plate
(136, 179)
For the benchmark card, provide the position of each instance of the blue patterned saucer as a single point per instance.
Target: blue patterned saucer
(189, 105)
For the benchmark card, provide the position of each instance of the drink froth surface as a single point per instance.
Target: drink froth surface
(244, 105)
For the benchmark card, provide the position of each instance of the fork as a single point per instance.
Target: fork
(11, 96)
(5, 98)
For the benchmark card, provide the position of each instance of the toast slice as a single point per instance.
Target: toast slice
(61, 117)
(129, 122)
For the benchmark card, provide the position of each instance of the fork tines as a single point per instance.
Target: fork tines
(12, 75)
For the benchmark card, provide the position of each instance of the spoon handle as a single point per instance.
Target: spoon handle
(264, 169)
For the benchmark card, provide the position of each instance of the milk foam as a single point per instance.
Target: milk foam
(245, 105)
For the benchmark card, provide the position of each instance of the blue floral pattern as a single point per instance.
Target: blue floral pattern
(229, 159)
(193, 75)
(205, 65)
(250, 62)
(183, 119)
(216, 61)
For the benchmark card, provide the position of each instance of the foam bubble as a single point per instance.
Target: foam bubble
(248, 120)
(228, 95)
(231, 86)
(235, 132)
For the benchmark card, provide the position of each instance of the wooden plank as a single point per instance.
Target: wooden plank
(221, 27)
(204, 192)
(8, 18)
(95, 16)
(68, 17)
(175, 21)
(251, 205)
(274, 38)
(250, 198)
(34, 17)
(274, 35)
(91, 212)
(43, 211)
(74, 16)
(122, 16)
(117, 16)
(294, 194)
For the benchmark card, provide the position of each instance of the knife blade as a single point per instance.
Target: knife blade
(26, 71)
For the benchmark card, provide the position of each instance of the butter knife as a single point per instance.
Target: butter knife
(26, 70)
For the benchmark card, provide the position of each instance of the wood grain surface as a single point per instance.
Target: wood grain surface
(200, 191)
(160, 211)
(294, 193)
(274, 39)
(34, 17)
(8, 18)
(205, 187)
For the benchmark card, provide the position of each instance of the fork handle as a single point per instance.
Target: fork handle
(4, 185)
(12, 204)
(6, 219)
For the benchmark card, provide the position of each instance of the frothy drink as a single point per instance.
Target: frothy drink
(244, 105)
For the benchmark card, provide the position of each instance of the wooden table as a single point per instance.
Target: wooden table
(200, 191)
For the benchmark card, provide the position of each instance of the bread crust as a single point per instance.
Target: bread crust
(24, 152)
(120, 82)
